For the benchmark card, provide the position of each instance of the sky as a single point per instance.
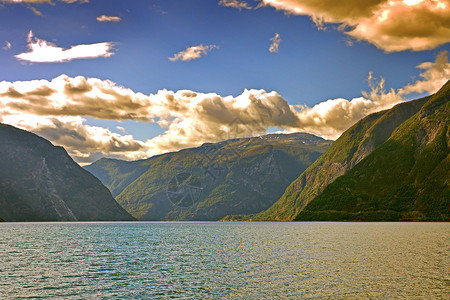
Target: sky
(131, 79)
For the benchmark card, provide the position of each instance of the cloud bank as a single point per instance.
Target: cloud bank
(57, 109)
(193, 52)
(391, 25)
(42, 51)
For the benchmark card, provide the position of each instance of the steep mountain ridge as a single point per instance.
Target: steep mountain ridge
(40, 182)
(349, 149)
(406, 178)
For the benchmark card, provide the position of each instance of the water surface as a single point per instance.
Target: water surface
(211, 260)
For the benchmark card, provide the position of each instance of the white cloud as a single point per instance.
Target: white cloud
(83, 142)
(7, 46)
(392, 25)
(238, 4)
(121, 129)
(56, 109)
(45, 52)
(434, 76)
(332, 117)
(105, 18)
(193, 52)
(276, 40)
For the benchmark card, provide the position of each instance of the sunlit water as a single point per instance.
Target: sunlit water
(224, 260)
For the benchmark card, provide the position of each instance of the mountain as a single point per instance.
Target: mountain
(117, 174)
(349, 149)
(40, 182)
(407, 178)
(234, 177)
(368, 155)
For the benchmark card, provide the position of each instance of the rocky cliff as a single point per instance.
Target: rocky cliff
(40, 182)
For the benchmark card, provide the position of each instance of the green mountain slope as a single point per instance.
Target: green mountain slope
(240, 176)
(349, 149)
(40, 182)
(118, 174)
(405, 178)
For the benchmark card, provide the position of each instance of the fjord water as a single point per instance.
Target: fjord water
(224, 260)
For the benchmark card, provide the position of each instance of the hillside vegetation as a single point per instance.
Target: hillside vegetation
(348, 150)
(405, 178)
(235, 177)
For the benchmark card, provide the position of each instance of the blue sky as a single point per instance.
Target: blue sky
(311, 66)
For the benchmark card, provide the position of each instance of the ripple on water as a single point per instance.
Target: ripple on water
(224, 260)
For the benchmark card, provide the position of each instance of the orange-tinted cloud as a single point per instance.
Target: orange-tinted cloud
(391, 25)
(56, 110)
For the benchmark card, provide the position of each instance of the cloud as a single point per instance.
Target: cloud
(235, 4)
(41, 1)
(35, 11)
(434, 76)
(58, 109)
(105, 18)
(391, 25)
(121, 129)
(42, 51)
(193, 52)
(276, 40)
(75, 1)
(332, 117)
(26, 1)
(83, 142)
(7, 46)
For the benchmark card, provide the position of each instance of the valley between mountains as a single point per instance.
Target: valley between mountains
(392, 165)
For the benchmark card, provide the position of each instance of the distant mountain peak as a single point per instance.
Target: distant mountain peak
(236, 176)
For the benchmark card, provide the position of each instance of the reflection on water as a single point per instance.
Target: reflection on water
(225, 260)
